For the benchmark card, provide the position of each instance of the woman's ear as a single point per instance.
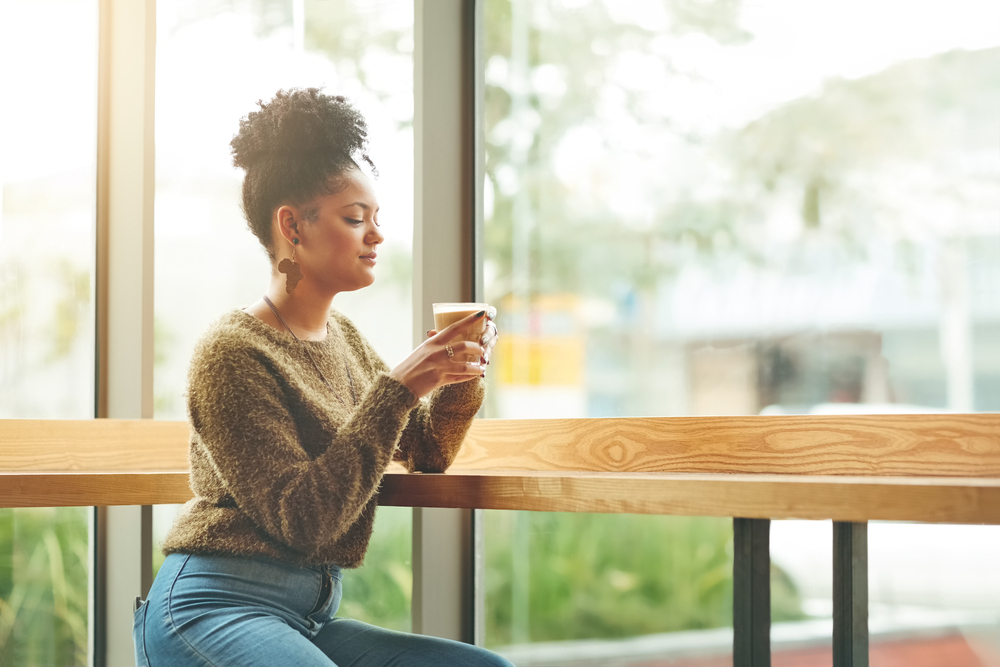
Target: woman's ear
(287, 218)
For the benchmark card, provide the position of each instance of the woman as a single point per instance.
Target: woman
(294, 418)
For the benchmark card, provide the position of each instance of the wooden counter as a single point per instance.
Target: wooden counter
(931, 468)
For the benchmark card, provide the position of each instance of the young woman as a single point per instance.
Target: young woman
(294, 418)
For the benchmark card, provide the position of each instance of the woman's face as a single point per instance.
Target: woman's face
(336, 250)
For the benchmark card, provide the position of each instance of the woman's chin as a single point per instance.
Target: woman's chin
(355, 286)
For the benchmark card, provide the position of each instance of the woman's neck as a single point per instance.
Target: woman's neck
(305, 310)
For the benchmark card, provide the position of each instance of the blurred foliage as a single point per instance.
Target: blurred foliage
(580, 47)
(43, 587)
(72, 309)
(591, 576)
(164, 338)
(380, 591)
(833, 150)
(846, 153)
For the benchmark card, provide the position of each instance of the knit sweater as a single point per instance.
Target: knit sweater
(281, 466)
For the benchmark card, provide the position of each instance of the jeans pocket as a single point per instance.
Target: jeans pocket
(139, 635)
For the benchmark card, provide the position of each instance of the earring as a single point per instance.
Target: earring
(293, 274)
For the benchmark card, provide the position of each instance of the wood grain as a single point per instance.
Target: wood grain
(924, 499)
(933, 468)
(93, 445)
(934, 500)
(961, 445)
(79, 489)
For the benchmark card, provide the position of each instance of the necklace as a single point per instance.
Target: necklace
(350, 378)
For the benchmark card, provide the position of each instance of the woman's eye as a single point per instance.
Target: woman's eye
(355, 222)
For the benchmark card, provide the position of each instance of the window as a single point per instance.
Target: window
(48, 126)
(726, 208)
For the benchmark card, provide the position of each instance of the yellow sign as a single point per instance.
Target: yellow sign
(544, 360)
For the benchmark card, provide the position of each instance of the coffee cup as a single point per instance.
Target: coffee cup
(446, 314)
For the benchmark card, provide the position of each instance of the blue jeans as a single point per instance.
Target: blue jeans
(250, 612)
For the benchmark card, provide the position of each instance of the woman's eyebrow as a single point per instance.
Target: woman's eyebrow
(359, 203)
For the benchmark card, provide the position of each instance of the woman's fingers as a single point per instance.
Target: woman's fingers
(489, 338)
(489, 341)
(462, 326)
(462, 351)
(448, 357)
(463, 372)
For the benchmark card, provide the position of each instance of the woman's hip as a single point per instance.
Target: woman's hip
(189, 582)
(195, 597)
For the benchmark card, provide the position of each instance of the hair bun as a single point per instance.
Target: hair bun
(301, 122)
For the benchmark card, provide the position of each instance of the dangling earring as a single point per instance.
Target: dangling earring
(293, 274)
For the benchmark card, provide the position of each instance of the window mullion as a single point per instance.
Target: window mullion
(124, 297)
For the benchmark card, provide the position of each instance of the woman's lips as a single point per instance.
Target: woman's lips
(369, 258)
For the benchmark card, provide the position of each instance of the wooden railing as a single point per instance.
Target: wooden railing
(933, 468)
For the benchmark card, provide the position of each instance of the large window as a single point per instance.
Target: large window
(214, 61)
(692, 207)
(735, 208)
(48, 127)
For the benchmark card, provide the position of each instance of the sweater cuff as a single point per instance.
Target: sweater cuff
(463, 395)
(391, 394)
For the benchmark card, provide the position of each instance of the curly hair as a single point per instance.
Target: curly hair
(293, 150)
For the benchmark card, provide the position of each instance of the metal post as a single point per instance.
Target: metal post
(122, 565)
(443, 258)
(850, 594)
(751, 593)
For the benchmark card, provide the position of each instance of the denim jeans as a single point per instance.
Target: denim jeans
(250, 612)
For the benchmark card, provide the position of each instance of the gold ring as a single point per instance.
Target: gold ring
(451, 352)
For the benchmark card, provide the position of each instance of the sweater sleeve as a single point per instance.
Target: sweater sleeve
(238, 410)
(437, 426)
(436, 429)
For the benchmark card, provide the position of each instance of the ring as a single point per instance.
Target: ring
(451, 352)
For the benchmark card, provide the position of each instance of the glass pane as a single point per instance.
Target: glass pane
(215, 59)
(48, 158)
(934, 594)
(802, 572)
(734, 208)
(43, 586)
(48, 138)
(557, 582)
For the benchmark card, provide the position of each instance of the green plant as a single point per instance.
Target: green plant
(574, 576)
(380, 591)
(43, 587)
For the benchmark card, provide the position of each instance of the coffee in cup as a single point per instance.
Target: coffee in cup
(446, 314)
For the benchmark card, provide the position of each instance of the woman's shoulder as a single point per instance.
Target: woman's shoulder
(236, 334)
(363, 350)
(342, 322)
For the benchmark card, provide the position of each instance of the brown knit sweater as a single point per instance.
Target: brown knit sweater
(280, 466)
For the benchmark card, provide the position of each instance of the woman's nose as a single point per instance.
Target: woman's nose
(375, 237)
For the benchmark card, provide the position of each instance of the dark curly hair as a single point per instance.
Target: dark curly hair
(293, 150)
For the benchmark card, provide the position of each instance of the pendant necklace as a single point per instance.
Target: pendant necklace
(305, 348)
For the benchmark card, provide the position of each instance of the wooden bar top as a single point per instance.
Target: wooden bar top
(929, 468)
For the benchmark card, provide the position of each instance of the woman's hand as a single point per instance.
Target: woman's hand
(489, 339)
(436, 362)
